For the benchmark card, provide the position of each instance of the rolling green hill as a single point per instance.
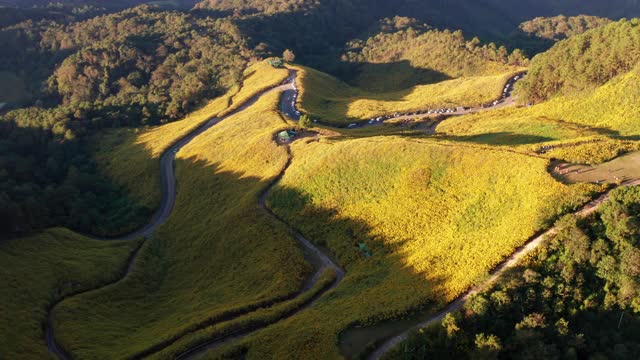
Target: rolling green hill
(589, 127)
(421, 215)
(414, 218)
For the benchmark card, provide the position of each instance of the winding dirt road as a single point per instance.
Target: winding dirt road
(497, 272)
(168, 184)
(319, 259)
(290, 96)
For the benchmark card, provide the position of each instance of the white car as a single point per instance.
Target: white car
(298, 113)
(351, 126)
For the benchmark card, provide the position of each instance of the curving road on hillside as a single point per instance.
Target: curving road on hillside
(168, 184)
(320, 260)
(290, 97)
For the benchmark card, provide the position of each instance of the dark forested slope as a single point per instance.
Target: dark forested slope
(408, 53)
(317, 29)
(136, 67)
(561, 27)
(488, 17)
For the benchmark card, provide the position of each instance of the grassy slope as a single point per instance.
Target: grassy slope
(36, 271)
(436, 218)
(335, 102)
(218, 251)
(131, 157)
(610, 110)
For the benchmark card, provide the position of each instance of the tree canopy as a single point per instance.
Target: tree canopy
(141, 66)
(583, 62)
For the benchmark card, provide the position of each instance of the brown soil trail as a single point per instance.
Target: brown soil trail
(319, 259)
(497, 272)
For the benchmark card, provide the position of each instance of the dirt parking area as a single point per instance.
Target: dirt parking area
(621, 169)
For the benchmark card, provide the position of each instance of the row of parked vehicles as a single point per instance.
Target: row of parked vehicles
(505, 94)
(416, 113)
(294, 98)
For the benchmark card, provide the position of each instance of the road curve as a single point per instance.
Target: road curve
(319, 259)
(290, 96)
(168, 186)
(497, 272)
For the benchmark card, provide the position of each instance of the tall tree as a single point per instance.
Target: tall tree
(288, 56)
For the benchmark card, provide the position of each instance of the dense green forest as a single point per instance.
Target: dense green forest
(11, 15)
(489, 19)
(561, 27)
(583, 62)
(64, 11)
(112, 5)
(574, 299)
(148, 63)
(266, 7)
(421, 54)
(137, 67)
(540, 34)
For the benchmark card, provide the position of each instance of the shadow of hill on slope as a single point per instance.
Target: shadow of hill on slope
(499, 138)
(218, 253)
(50, 182)
(40, 269)
(391, 76)
(397, 87)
